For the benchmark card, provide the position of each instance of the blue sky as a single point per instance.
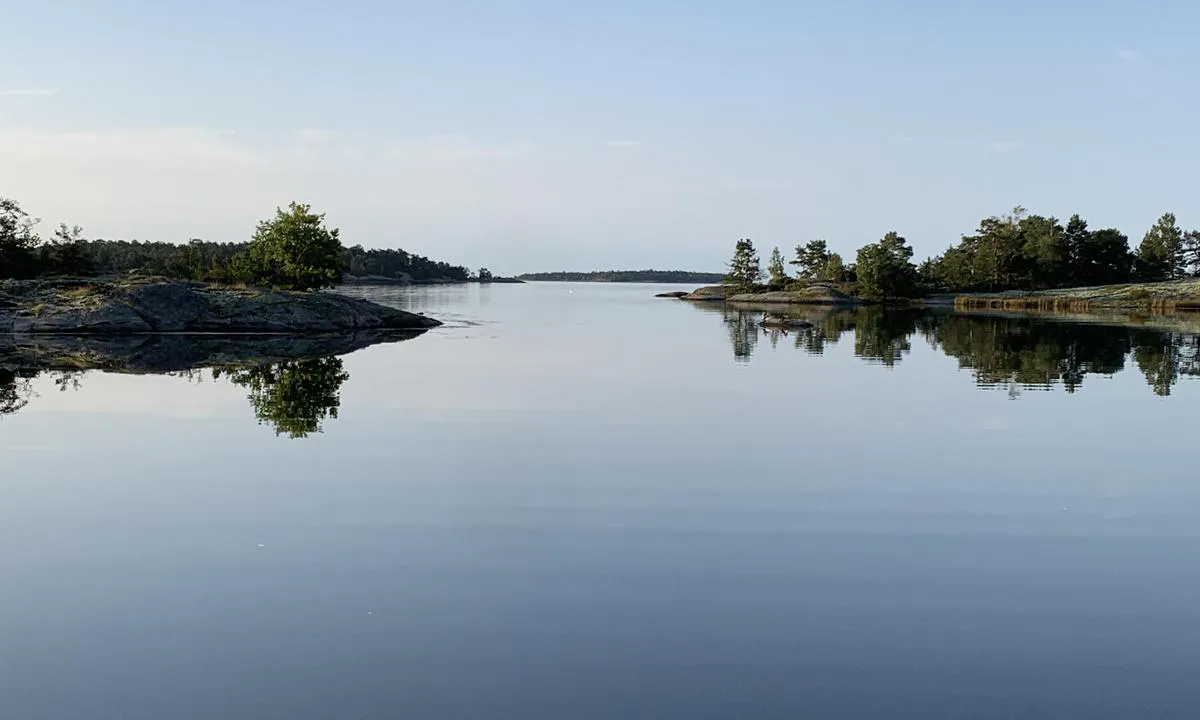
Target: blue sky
(550, 135)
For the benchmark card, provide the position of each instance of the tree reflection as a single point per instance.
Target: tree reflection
(15, 390)
(294, 396)
(880, 336)
(1006, 352)
(743, 332)
(16, 386)
(1032, 353)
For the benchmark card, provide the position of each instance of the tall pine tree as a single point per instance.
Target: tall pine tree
(744, 271)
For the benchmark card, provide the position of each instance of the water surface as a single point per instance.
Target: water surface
(580, 501)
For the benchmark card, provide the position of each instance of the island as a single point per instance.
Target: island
(1018, 261)
(278, 282)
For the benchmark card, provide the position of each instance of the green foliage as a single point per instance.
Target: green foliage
(1103, 260)
(67, 253)
(1161, 253)
(811, 258)
(776, 271)
(1031, 252)
(295, 396)
(834, 269)
(18, 241)
(744, 271)
(295, 251)
(1043, 256)
(398, 264)
(1191, 252)
(23, 255)
(485, 275)
(885, 269)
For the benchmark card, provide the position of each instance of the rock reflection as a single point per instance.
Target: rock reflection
(293, 383)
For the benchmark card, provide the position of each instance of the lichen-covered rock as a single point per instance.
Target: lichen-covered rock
(151, 305)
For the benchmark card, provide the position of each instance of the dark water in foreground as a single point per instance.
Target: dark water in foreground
(578, 501)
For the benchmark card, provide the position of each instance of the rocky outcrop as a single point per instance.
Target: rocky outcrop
(709, 293)
(673, 294)
(813, 293)
(816, 293)
(157, 306)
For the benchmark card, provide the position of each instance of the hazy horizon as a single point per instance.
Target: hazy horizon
(536, 138)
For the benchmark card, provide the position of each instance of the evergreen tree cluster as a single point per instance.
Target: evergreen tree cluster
(1019, 251)
(1016, 251)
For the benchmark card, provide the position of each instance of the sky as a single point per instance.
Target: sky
(553, 135)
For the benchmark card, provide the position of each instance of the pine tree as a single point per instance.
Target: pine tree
(811, 258)
(1161, 254)
(1191, 252)
(744, 271)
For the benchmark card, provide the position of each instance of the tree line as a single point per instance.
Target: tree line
(1016, 251)
(629, 276)
(24, 254)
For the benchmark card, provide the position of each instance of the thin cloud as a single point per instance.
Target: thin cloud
(455, 147)
(28, 92)
(623, 143)
(1004, 147)
(315, 135)
(903, 140)
(1133, 57)
(192, 147)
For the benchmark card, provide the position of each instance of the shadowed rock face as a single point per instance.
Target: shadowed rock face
(150, 305)
(293, 382)
(163, 353)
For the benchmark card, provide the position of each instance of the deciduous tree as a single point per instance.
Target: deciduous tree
(294, 250)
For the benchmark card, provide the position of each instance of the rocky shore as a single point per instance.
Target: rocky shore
(152, 305)
(814, 293)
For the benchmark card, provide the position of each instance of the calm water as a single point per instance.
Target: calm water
(578, 501)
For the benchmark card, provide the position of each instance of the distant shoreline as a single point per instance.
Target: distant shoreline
(627, 276)
(356, 280)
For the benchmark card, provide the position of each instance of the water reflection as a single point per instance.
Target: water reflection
(295, 396)
(293, 384)
(15, 389)
(1002, 350)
